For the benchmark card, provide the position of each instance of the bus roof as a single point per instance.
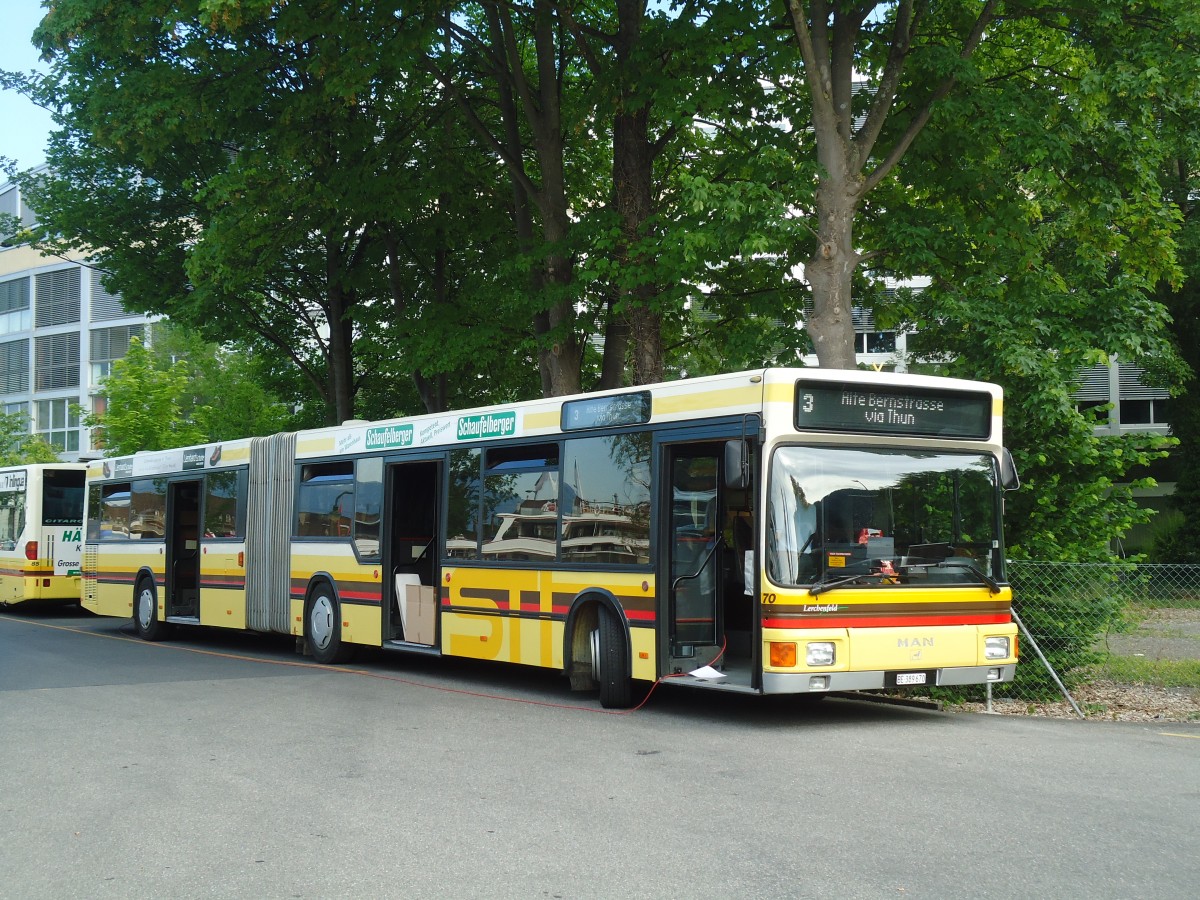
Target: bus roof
(734, 394)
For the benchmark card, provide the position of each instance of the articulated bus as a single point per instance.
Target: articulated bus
(41, 532)
(776, 531)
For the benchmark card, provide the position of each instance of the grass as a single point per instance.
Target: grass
(1168, 673)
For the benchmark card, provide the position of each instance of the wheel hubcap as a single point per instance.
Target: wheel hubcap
(145, 608)
(320, 622)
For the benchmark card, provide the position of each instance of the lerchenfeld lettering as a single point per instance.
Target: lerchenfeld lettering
(497, 425)
(389, 436)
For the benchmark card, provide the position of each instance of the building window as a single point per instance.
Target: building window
(14, 295)
(1095, 411)
(109, 345)
(875, 342)
(105, 305)
(14, 366)
(57, 298)
(14, 306)
(1151, 411)
(57, 363)
(57, 422)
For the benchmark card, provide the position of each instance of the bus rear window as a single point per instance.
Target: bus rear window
(62, 497)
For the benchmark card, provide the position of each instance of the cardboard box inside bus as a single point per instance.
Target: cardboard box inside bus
(418, 609)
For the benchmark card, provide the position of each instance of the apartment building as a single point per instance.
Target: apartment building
(60, 332)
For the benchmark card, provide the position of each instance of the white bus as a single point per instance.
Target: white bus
(41, 532)
(774, 531)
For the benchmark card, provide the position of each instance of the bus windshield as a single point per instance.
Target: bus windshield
(906, 516)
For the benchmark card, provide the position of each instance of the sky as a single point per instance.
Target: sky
(24, 128)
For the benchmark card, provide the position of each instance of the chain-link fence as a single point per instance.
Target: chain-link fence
(1117, 623)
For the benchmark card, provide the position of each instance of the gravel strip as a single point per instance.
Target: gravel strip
(1108, 701)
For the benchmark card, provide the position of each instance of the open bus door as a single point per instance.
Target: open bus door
(710, 582)
(413, 501)
(183, 550)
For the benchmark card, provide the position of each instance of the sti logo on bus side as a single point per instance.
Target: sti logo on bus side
(913, 643)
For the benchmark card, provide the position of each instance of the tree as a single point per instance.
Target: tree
(18, 446)
(181, 391)
(144, 405)
(1046, 232)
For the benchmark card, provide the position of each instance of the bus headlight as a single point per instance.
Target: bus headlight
(996, 648)
(820, 653)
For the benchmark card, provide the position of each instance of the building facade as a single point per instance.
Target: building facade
(60, 332)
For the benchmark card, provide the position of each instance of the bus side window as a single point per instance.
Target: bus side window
(464, 496)
(114, 511)
(325, 502)
(368, 507)
(224, 502)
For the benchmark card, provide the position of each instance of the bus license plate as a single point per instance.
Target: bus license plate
(910, 678)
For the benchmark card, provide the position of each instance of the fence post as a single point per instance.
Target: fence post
(1049, 668)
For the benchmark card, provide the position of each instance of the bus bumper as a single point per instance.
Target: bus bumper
(819, 683)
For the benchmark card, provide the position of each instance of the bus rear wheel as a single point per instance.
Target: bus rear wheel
(610, 662)
(145, 613)
(323, 628)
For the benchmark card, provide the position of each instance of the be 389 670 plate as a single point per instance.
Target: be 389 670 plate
(908, 679)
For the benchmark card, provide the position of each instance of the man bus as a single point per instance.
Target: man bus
(775, 531)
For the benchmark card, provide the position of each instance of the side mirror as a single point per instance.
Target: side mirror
(1009, 479)
(737, 465)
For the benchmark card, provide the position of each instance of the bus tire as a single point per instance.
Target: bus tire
(323, 627)
(611, 662)
(145, 613)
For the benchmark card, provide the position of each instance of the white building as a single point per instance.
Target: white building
(60, 332)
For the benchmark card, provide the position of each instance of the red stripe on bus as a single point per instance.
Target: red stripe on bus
(886, 622)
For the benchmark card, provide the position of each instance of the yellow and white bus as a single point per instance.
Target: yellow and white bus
(41, 532)
(775, 531)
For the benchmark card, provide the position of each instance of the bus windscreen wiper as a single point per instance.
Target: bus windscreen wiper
(828, 584)
(992, 584)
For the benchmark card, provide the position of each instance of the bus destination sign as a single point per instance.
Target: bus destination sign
(606, 412)
(889, 409)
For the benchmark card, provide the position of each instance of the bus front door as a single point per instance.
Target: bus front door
(695, 526)
(711, 534)
(183, 550)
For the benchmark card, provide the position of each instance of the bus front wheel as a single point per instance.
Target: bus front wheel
(324, 628)
(610, 662)
(145, 613)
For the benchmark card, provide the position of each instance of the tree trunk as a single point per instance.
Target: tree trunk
(340, 352)
(616, 346)
(341, 357)
(633, 197)
(829, 273)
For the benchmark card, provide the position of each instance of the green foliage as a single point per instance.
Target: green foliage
(1068, 627)
(407, 209)
(1035, 204)
(182, 392)
(143, 408)
(18, 446)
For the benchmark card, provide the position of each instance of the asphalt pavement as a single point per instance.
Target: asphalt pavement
(225, 765)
